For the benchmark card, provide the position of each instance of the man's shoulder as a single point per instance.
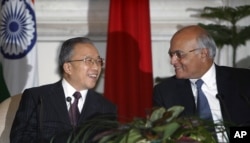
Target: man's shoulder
(44, 88)
(98, 96)
(171, 82)
(232, 68)
(58, 83)
(172, 79)
(232, 71)
(100, 100)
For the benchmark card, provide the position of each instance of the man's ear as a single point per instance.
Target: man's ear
(67, 68)
(205, 52)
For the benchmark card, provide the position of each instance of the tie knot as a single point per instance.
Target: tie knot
(77, 95)
(199, 83)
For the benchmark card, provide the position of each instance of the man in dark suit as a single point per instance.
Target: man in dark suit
(44, 112)
(192, 52)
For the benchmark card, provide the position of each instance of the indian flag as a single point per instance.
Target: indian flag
(18, 55)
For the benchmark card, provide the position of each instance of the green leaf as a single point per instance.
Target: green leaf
(133, 136)
(157, 114)
(167, 129)
(230, 33)
(106, 139)
(170, 130)
(176, 110)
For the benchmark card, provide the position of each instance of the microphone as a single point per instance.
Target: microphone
(69, 99)
(223, 105)
(225, 109)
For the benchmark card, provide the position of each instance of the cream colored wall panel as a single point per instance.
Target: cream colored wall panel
(58, 20)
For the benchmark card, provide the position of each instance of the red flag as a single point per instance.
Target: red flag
(128, 73)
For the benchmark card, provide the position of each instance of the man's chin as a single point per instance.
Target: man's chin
(91, 85)
(179, 76)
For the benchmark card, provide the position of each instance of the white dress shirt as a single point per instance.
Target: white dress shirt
(209, 88)
(69, 91)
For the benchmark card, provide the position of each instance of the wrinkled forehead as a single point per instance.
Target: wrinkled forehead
(189, 32)
(83, 49)
(183, 43)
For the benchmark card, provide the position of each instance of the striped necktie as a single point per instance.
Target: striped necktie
(74, 112)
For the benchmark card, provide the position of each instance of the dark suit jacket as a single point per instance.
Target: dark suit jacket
(233, 93)
(43, 113)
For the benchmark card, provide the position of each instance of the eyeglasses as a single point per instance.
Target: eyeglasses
(90, 61)
(180, 54)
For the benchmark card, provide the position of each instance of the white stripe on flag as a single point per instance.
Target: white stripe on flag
(18, 45)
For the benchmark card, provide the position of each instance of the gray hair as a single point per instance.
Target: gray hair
(66, 51)
(205, 40)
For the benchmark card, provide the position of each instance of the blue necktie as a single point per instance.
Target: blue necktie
(74, 112)
(203, 108)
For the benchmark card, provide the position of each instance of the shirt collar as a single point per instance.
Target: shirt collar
(70, 90)
(208, 78)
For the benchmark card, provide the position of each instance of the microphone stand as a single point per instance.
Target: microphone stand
(224, 107)
(40, 119)
(69, 99)
(226, 113)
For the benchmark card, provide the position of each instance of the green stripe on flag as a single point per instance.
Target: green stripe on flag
(4, 93)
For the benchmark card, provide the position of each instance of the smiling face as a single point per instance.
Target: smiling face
(82, 75)
(188, 59)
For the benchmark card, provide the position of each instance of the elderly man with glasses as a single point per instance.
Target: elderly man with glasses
(205, 89)
(51, 113)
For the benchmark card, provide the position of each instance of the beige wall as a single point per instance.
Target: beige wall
(57, 22)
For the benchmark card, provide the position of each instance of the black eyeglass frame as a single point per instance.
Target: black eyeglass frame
(90, 61)
(181, 54)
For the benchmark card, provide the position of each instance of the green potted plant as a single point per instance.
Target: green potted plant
(160, 126)
(230, 33)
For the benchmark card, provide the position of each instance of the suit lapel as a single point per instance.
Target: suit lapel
(90, 106)
(185, 96)
(226, 87)
(224, 82)
(58, 101)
